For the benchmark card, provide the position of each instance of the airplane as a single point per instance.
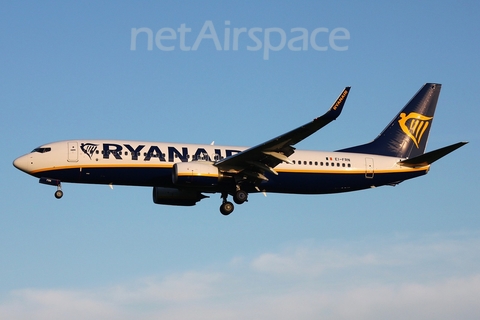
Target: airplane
(180, 174)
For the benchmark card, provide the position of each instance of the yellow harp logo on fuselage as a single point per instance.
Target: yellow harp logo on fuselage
(414, 125)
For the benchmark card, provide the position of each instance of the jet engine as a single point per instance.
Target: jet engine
(196, 174)
(176, 197)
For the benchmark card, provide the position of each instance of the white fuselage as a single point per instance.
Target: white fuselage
(150, 164)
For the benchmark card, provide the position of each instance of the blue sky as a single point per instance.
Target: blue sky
(68, 72)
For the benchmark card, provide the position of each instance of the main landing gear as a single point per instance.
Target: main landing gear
(227, 207)
(240, 196)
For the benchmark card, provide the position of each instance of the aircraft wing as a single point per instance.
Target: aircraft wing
(254, 161)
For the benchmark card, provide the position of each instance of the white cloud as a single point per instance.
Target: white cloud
(310, 261)
(176, 288)
(430, 278)
(56, 304)
(454, 298)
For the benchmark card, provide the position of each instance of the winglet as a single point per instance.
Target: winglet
(337, 106)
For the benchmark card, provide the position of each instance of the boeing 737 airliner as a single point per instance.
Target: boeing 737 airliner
(180, 174)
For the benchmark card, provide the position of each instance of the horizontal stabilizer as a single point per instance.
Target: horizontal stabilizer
(431, 157)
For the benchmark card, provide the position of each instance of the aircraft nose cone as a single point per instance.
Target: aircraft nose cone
(22, 163)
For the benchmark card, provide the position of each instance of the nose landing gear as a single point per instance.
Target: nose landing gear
(58, 193)
(53, 182)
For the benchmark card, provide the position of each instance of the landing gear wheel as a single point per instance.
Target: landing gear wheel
(58, 194)
(226, 208)
(240, 196)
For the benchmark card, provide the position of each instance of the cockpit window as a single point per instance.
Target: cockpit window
(42, 150)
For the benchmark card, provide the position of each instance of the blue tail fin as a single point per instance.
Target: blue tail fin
(407, 134)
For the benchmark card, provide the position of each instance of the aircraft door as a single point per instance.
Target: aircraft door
(369, 168)
(72, 152)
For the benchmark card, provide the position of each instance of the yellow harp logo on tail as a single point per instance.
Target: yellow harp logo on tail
(414, 125)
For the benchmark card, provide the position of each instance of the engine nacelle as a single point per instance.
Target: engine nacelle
(176, 197)
(196, 173)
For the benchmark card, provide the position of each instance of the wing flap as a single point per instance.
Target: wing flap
(279, 156)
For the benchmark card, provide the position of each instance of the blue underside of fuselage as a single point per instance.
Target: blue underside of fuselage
(285, 182)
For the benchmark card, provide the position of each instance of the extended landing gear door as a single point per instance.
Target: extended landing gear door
(72, 152)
